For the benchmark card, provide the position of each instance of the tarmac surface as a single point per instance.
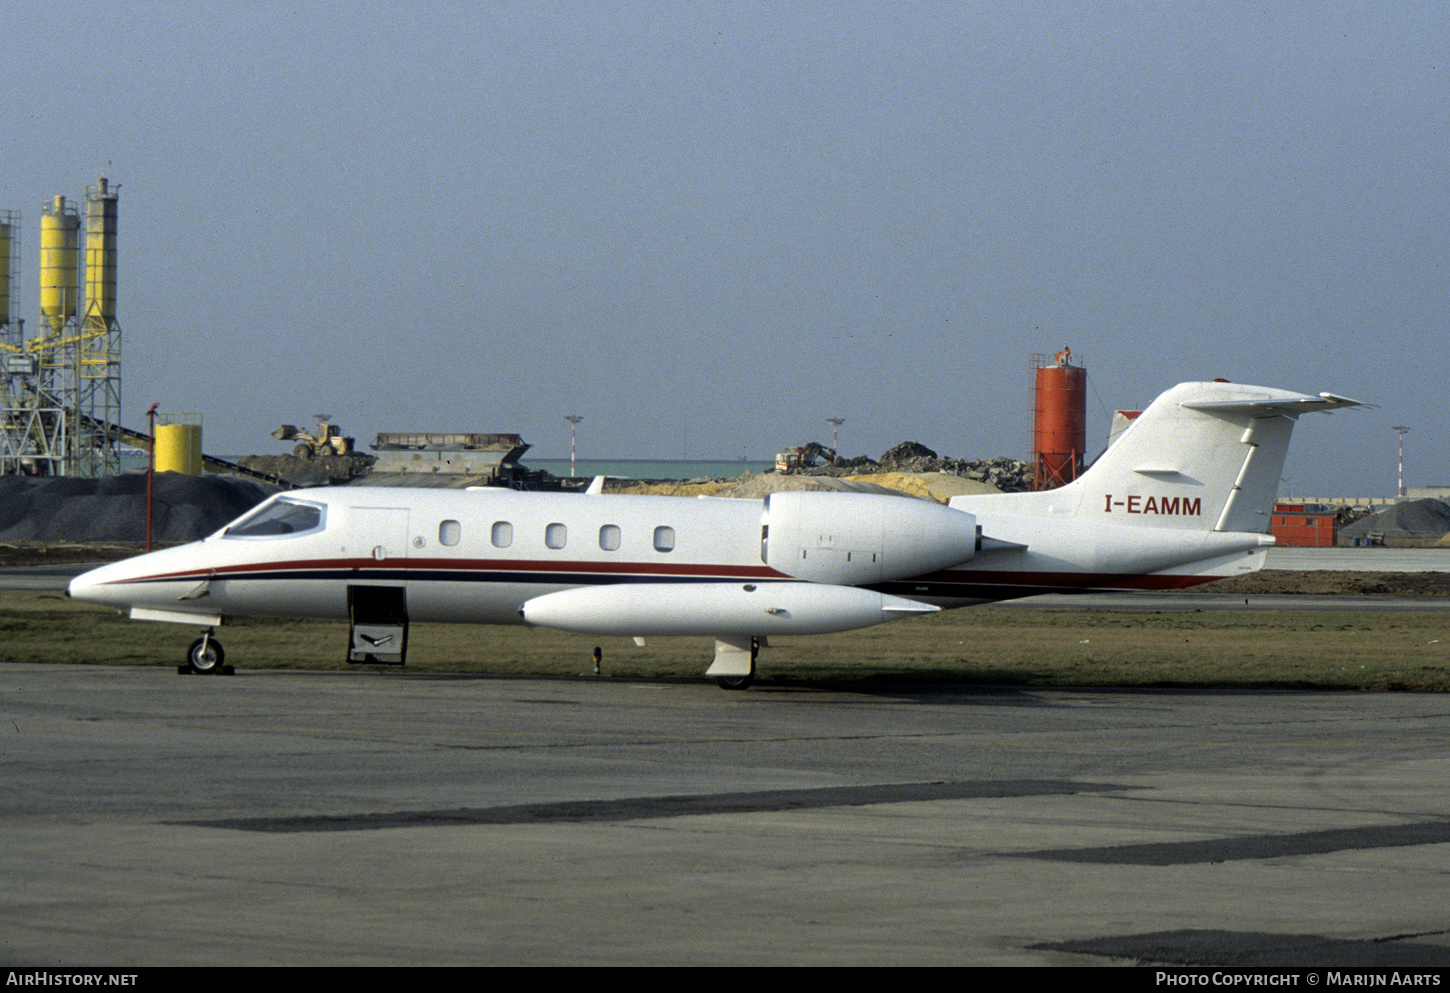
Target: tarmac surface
(1172, 602)
(1374, 559)
(359, 818)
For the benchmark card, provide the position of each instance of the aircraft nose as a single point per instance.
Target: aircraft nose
(151, 582)
(86, 586)
(105, 585)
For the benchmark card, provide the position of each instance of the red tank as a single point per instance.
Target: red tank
(1059, 421)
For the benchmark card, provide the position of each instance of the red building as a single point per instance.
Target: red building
(1311, 525)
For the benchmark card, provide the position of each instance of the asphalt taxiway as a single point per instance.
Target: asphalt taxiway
(386, 818)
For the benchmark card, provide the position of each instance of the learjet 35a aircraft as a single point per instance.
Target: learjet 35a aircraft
(1183, 497)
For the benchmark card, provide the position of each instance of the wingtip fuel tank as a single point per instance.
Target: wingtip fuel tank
(722, 609)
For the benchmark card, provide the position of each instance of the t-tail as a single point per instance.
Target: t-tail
(1187, 489)
(1203, 454)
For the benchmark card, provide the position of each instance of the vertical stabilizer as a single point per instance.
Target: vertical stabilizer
(1202, 455)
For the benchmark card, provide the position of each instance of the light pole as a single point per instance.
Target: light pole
(573, 420)
(1401, 430)
(150, 471)
(835, 423)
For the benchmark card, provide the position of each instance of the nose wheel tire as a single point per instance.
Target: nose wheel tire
(205, 656)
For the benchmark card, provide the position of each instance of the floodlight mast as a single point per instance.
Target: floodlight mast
(1401, 431)
(573, 420)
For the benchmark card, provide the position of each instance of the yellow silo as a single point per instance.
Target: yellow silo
(101, 251)
(178, 444)
(59, 228)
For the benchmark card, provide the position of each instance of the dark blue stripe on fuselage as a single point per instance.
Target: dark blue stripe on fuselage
(458, 576)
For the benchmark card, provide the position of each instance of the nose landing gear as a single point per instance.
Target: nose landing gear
(205, 657)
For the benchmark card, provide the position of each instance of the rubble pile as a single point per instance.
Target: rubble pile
(320, 470)
(1006, 474)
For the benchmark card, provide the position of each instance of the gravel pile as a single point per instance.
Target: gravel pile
(59, 508)
(1424, 520)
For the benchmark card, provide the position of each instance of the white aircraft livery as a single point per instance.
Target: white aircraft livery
(1182, 497)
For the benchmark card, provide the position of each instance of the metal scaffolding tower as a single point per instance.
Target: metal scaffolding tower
(60, 395)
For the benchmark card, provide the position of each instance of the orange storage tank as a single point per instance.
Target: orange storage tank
(1059, 431)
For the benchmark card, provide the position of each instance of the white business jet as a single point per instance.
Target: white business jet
(1183, 497)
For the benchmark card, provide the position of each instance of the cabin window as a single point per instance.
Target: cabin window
(664, 539)
(448, 532)
(503, 534)
(609, 537)
(282, 518)
(555, 535)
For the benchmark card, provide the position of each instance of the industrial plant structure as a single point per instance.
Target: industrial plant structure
(60, 390)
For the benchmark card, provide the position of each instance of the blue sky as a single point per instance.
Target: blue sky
(708, 227)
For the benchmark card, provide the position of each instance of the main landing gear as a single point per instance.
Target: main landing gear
(735, 656)
(205, 657)
(734, 682)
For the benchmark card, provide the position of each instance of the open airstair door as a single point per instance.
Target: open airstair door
(377, 600)
(379, 616)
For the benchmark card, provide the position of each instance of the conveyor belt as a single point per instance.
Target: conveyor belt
(116, 432)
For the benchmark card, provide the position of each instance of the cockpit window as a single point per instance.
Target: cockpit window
(284, 517)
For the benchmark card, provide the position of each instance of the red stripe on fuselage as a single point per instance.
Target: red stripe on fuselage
(1048, 581)
(685, 569)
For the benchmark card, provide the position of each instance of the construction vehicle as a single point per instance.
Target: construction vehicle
(802, 457)
(328, 440)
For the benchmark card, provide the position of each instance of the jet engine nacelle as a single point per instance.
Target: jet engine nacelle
(854, 539)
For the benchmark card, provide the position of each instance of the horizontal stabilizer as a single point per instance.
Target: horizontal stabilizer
(1284, 406)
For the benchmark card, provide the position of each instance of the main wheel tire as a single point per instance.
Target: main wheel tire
(734, 682)
(205, 656)
(303, 451)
